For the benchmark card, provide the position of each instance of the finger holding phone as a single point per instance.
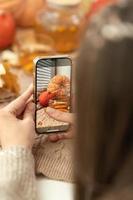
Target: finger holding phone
(17, 122)
(65, 117)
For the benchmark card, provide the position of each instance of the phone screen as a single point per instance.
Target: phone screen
(53, 89)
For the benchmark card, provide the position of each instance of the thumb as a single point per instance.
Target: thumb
(29, 112)
(59, 115)
(17, 106)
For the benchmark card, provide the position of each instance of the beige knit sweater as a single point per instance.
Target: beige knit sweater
(17, 178)
(17, 167)
(54, 160)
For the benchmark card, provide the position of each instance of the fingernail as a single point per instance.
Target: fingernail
(31, 106)
(30, 87)
(53, 138)
(60, 136)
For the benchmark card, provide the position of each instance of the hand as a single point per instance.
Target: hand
(16, 131)
(64, 117)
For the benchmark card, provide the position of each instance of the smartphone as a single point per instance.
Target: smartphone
(53, 85)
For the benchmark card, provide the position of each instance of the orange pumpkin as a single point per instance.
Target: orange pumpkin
(45, 97)
(7, 29)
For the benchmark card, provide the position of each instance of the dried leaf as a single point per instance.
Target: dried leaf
(11, 81)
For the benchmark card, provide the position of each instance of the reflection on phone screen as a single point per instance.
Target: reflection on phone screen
(53, 89)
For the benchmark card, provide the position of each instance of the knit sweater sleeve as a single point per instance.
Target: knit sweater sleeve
(17, 178)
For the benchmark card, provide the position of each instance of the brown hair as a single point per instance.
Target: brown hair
(105, 103)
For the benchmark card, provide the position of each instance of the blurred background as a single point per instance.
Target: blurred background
(31, 28)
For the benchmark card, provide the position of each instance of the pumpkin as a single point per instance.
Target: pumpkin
(7, 29)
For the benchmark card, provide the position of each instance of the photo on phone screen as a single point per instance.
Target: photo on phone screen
(52, 89)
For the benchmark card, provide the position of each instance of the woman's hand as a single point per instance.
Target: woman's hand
(64, 117)
(17, 122)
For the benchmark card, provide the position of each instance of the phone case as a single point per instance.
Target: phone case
(43, 75)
